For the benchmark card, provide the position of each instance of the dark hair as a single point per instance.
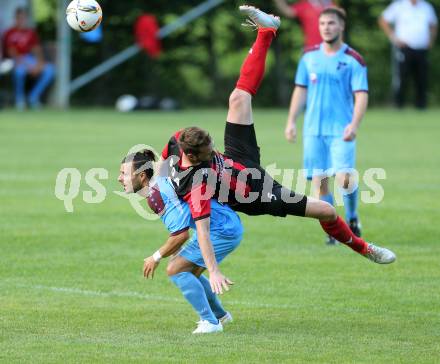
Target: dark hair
(333, 10)
(192, 139)
(142, 161)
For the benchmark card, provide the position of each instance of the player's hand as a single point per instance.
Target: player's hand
(37, 69)
(150, 266)
(219, 282)
(349, 133)
(399, 44)
(290, 132)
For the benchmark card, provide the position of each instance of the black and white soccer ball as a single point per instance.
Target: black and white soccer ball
(83, 15)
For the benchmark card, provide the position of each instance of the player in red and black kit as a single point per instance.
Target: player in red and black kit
(199, 173)
(234, 177)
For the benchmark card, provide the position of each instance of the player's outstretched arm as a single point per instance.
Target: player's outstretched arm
(171, 246)
(218, 281)
(360, 108)
(297, 103)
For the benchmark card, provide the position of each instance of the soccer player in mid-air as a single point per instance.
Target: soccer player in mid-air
(186, 266)
(332, 81)
(199, 173)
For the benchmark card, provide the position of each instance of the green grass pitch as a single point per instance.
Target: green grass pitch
(71, 288)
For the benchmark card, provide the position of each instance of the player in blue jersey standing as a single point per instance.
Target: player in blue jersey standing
(186, 266)
(331, 81)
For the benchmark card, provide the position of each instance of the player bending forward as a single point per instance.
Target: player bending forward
(185, 268)
(199, 173)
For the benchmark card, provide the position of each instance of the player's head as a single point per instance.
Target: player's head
(197, 144)
(136, 170)
(332, 24)
(21, 17)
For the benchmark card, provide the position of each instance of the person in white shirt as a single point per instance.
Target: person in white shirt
(411, 27)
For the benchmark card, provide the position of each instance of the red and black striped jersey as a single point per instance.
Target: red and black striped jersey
(193, 184)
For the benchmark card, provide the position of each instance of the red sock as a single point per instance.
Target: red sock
(252, 70)
(342, 232)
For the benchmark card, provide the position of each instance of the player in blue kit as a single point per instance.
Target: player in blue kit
(186, 267)
(331, 81)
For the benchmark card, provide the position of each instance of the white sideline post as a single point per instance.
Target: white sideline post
(131, 51)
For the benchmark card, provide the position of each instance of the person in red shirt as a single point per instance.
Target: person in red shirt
(22, 45)
(307, 12)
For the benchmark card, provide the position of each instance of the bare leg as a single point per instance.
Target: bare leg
(252, 70)
(240, 108)
(320, 186)
(320, 210)
(345, 181)
(348, 185)
(178, 265)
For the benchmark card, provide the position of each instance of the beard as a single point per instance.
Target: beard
(132, 187)
(142, 190)
(333, 40)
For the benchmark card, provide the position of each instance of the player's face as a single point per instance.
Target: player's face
(331, 28)
(131, 181)
(21, 19)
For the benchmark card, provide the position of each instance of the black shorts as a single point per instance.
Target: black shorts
(273, 199)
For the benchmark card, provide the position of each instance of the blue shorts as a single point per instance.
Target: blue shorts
(223, 245)
(327, 155)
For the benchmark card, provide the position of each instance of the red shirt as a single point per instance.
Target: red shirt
(22, 40)
(307, 13)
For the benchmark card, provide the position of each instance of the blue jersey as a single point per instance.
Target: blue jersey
(331, 82)
(176, 215)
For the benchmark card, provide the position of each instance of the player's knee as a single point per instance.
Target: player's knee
(172, 269)
(328, 211)
(238, 98)
(20, 71)
(49, 70)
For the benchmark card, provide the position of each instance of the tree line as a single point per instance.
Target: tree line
(204, 58)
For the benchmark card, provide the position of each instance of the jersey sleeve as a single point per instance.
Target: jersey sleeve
(359, 78)
(199, 205)
(165, 152)
(302, 77)
(390, 13)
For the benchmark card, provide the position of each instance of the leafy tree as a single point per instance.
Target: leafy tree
(204, 58)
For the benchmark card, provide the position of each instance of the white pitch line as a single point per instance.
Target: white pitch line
(144, 296)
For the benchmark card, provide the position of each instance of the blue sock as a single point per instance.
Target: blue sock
(327, 198)
(214, 302)
(351, 204)
(194, 293)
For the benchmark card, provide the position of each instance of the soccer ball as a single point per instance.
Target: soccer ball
(83, 15)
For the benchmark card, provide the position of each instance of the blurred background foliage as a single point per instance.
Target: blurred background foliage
(204, 58)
